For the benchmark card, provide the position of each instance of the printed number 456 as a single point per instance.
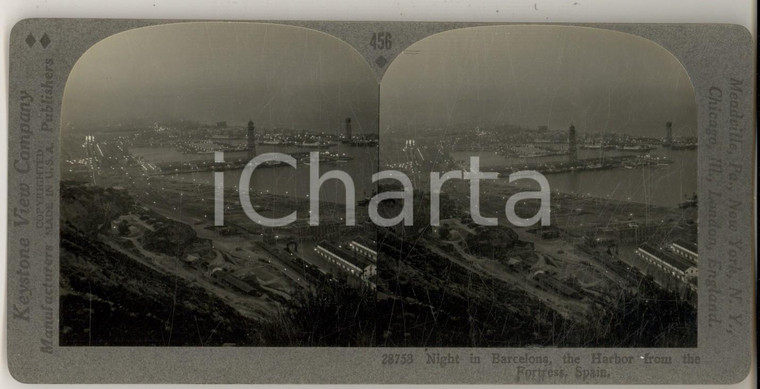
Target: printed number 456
(381, 41)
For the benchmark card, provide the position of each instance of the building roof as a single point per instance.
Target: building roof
(346, 255)
(234, 281)
(687, 245)
(366, 243)
(671, 259)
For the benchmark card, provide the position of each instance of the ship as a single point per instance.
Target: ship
(637, 148)
(315, 144)
(683, 146)
(363, 142)
(690, 203)
(596, 146)
(270, 142)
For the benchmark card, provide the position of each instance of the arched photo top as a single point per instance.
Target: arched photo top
(529, 75)
(279, 76)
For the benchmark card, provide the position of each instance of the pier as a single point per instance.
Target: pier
(588, 164)
(169, 168)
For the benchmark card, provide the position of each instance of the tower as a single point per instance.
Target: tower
(251, 140)
(349, 135)
(572, 144)
(668, 134)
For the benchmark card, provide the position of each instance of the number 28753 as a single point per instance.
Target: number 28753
(398, 359)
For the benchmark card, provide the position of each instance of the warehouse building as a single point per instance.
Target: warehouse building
(678, 267)
(348, 261)
(364, 248)
(686, 249)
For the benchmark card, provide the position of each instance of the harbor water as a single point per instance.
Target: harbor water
(281, 180)
(662, 185)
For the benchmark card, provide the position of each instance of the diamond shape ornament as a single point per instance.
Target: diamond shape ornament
(45, 41)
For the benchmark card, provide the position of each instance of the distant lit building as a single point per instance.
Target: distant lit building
(89, 146)
(91, 152)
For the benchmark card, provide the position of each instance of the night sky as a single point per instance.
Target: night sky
(278, 76)
(291, 77)
(602, 81)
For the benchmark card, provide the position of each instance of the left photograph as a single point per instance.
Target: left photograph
(215, 179)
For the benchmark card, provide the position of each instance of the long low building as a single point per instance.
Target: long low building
(680, 268)
(686, 250)
(364, 248)
(228, 279)
(352, 263)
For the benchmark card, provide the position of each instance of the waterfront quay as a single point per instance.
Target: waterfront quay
(587, 164)
(181, 167)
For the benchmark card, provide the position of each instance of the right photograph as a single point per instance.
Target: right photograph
(554, 200)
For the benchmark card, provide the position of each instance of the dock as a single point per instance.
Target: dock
(169, 168)
(588, 164)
